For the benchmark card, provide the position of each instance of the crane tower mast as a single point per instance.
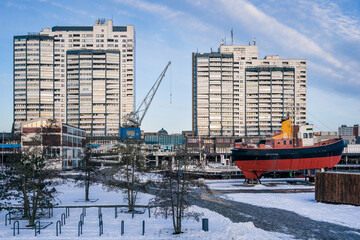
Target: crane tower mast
(133, 120)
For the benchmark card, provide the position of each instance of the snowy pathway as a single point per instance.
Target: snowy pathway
(276, 220)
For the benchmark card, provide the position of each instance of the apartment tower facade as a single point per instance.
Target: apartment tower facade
(237, 94)
(79, 75)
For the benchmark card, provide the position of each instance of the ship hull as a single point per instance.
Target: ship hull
(254, 162)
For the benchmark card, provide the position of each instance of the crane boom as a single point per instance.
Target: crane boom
(134, 119)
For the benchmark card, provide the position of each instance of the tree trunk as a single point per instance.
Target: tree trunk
(128, 186)
(26, 200)
(34, 208)
(87, 186)
(132, 183)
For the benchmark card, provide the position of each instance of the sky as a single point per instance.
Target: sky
(326, 33)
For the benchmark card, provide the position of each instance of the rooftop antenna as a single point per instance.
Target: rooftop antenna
(254, 40)
(232, 37)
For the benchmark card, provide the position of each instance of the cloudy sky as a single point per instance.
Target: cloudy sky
(326, 33)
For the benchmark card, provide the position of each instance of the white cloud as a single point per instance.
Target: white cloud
(333, 21)
(16, 5)
(176, 16)
(279, 32)
(73, 10)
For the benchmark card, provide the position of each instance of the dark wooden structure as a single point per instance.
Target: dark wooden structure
(335, 187)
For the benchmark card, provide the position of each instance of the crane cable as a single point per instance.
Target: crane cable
(313, 116)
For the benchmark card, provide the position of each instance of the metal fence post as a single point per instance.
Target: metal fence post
(50, 211)
(82, 219)
(80, 228)
(99, 210)
(149, 212)
(116, 214)
(67, 211)
(101, 228)
(8, 218)
(63, 221)
(205, 224)
(122, 227)
(58, 227)
(18, 231)
(143, 228)
(36, 223)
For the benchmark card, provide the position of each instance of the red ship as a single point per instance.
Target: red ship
(291, 149)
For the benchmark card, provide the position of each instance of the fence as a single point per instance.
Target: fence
(334, 187)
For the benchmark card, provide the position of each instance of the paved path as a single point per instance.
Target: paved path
(275, 220)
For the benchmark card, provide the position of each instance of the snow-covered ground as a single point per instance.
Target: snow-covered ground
(267, 184)
(301, 203)
(156, 228)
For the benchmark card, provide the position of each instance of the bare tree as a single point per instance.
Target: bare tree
(90, 171)
(131, 165)
(175, 192)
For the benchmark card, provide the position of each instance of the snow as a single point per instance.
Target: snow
(73, 196)
(267, 184)
(303, 204)
(155, 228)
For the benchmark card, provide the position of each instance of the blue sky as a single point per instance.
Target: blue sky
(326, 33)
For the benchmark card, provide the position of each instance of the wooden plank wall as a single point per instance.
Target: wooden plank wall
(341, 188)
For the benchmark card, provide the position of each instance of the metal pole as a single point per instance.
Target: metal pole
(143, 227)
(205, 224)
(122, 227)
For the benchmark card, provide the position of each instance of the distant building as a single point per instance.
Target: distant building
(325, 135)
(161, 147)
(164, 140)
(349, 131)
(210, 145)
(79, 75)
(237, 94)
(63, 144)
(10, 145)
(351, 135)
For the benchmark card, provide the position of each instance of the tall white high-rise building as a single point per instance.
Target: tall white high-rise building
(237, 94)
(80, 75)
